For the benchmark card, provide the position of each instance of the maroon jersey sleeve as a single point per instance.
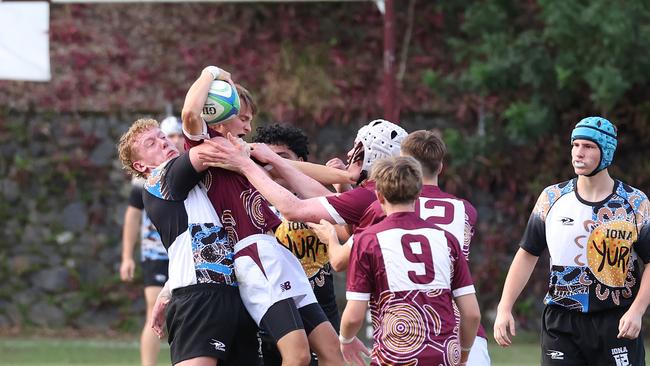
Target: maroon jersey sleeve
(371, 216)
(349, 207)
(461, 281)
(360, 273)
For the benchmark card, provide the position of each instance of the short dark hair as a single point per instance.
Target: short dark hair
(283, 134)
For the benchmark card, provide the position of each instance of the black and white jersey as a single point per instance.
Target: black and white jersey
(189, 227)
(594, 246)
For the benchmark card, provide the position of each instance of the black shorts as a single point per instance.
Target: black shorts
(155, 272)
(210, 320)
(574, 338)
(282, 318)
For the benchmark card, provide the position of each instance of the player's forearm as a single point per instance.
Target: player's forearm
(520, 270)
(194, 101)
(339, 255)
(470, 318)
(352, 318)
(324, 174)
(302, 184)
(642, 299)
(132, 218)
(277, 195)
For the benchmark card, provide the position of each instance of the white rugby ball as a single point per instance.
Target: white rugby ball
(222, 103)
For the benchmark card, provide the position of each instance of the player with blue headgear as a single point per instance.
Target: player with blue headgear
(597, 231)
(603, 133)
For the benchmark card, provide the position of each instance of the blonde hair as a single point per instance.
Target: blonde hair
(398, 178)
(125, 147)
(427, 148)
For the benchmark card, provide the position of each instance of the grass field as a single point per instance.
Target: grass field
(105, 352)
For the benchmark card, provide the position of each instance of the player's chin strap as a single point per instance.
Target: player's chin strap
(362, 176)
(596, 171)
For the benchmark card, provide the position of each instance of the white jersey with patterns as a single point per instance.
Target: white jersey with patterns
(197, 244)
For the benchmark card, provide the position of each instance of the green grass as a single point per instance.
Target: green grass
(109, 352)
(41, 351)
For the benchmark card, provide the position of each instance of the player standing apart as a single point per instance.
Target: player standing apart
(596, 229)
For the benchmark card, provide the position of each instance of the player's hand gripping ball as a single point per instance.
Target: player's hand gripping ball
(222, 103)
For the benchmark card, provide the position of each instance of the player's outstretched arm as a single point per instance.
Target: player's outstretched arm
(337, 163)
(324, 174)
(470, 318)
(195, 98)
(132, 217)
(303, 185)
(520, 270)
(630, 324)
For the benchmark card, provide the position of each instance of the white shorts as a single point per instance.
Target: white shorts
(267, 273)
(479, 355)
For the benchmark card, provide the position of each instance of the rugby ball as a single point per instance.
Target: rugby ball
(222, 103)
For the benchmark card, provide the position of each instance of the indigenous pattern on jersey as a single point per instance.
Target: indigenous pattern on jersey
(409, 270)
(448, 212)
(243, 210)
(151, 246)
(267, 272)
(198, 247)
(349, 207)
(594, 246)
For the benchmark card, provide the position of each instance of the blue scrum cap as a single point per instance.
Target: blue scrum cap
(600, 131)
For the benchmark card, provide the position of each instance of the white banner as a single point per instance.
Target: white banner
(24, 40)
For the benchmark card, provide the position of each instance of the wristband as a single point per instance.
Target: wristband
(344, 340)
(215, 71)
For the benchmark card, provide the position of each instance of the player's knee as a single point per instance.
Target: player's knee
(298, 357)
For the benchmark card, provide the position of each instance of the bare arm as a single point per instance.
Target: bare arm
(351, 321)
(470, 317)
(339, 255)
(324, 174)
(301, 184)
(195, 99)
(132, 220)
(630, 324)
(520, 270)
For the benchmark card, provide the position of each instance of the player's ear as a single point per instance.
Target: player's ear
(139, 166)
(380, 198)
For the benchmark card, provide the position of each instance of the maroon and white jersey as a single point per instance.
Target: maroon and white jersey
(409, 270)
(349, 207)
(243, 210)
(450, 213)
